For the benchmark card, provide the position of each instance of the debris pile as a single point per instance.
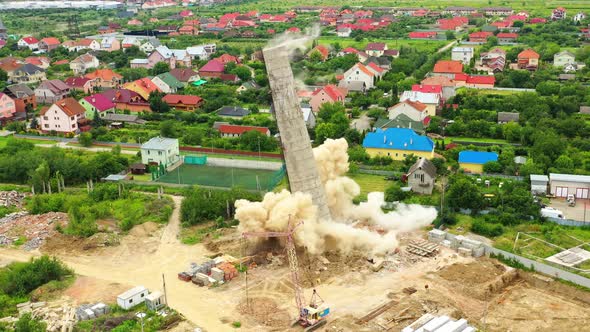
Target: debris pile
(91, 311)
(12, 198)
(213, 271)
(34, 228)
(463, 245)
(57, 316)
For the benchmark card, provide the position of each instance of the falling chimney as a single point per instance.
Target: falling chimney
(301, 165)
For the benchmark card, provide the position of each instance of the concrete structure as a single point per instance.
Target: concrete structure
(398, 143)
(301, 166)
(160, 150)
(431, 323)
(421, 176)
(473, 161)
(463, 54)
(561, 185)
(539, 183)
(132, 297)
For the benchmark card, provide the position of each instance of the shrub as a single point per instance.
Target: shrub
(19, 279)
(481, 227)
(394, 193)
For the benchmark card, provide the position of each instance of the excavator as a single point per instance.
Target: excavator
(312, 316)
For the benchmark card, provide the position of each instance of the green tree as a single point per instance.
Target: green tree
(315, 56)
(394, 193)
(565, 164)
(410, 160)
(492, 167)
(242, 72)
(464, 194)
(512, 131)
(548, 88)
(168, 129)
(3, 78)
(358, 153)
(328, 109)
(157, 104)
(85, 139)
(97, 121)
(324, 131)
(450, 35)
(26, 323)
(160, 68)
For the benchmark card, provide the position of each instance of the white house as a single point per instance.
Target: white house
(360, 73)
(83, 63)
(344, 32)
(414, 110)
(160, 150)
(579, 17)
(463, 54)
(539, 183)
(308, 116)
(132, 297)
(431, 100)
(63, 116)
(564, 58)
(150, 45)
(28, 42)
(155, 301)
(201, 52)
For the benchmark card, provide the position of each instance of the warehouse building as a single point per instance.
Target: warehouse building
(562, 185)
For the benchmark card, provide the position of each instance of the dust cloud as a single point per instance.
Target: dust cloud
(353, 227)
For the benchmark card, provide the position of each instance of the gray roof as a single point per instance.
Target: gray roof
(154, 41)
(19, 91)
(425, 165)
(508, 116)
(380, 61)
(159, 143)
(132, 292)
(541, 178)
(233, 111)
(110, 117)
(569, 177)
(30, 69)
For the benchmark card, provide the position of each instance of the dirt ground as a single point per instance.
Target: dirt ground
(445, 284)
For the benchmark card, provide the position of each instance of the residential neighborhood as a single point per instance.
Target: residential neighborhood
(216, 165)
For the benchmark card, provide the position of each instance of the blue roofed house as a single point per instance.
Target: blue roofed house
(473, 161)
(398, 143)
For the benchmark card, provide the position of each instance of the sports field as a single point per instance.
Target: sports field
(226, 177)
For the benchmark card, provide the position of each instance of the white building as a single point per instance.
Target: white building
(539, 183)
(160, 150)
(360, 73)
(344, 32)
(463, 54)
(155, 301)
(431, 100)
(308, 116)
(132, 297)
(561, 185)
(150, 45)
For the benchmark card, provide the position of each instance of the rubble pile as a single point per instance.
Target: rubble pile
(57, 316)
(12, 198)
(91, 311)
(34, 228)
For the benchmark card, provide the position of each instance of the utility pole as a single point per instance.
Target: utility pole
(164, 288)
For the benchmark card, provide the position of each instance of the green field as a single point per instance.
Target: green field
(3, 141)
(370, 183)
(422, 45)
(225, 177)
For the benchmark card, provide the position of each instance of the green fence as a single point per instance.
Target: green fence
(195, 160)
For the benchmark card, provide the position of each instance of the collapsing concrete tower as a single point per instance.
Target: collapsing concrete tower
(301, 165)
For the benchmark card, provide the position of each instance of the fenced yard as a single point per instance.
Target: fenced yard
(225, 177)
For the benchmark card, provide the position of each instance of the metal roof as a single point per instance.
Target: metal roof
(477, 157)
(132, 292)
(159, 143)
(537, 177)
(569, 177)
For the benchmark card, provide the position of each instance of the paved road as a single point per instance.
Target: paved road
(363, 123)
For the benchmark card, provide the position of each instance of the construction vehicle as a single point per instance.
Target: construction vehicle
(314, 315)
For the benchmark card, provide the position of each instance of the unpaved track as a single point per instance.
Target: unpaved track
(145, 265)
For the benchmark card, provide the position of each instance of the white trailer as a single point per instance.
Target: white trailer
(132, 297)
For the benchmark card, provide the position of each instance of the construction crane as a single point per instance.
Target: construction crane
(314, 315)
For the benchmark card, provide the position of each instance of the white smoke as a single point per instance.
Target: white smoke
(378, 233)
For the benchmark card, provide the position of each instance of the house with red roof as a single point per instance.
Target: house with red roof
(105, 78)
(480, 82)
(537, 20)
(480, 36)
(227, 58)
(427, 88)
(507, 37)
(228, 130)
(64, 116)
(422, 35)
(433, 101)
(375, 49)
(453, 24)
(293, 30)
(327, 94)
(322, 50)
(528, 59)
(183, 102)
(448, 68)
(558, 13)
(447, 85)
(213, 69)
(97, 103)
(186, 13)
(502, 24)
(39, 61)
(134, 22)
(376, 69)
(48, 44)
(188, 30)
(31, 43)
(358, 73)
(80, 83)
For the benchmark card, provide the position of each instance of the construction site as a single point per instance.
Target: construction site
(304, 260)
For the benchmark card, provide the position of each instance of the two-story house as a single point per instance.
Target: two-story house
(97, 104)
(327, 94)
(150, 45)
(167, 83)
(463, 54)
(7, 108)
(416, 111)
(105, 78)
(564, 58)
(28, 74)
(80, 83)
(50, 91)
(84, 62)
(160, 151)
(183, 102)
(358, 73)
(110, 44)
(143, 87)
(23, 97)
(421, 176)
(49, 44)
(528, 59)
(63, 116)
(431, 100)
(31, 43)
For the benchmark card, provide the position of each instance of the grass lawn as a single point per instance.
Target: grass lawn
(370, 183)
(478, 140)
(229, 156)
(3, 141)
